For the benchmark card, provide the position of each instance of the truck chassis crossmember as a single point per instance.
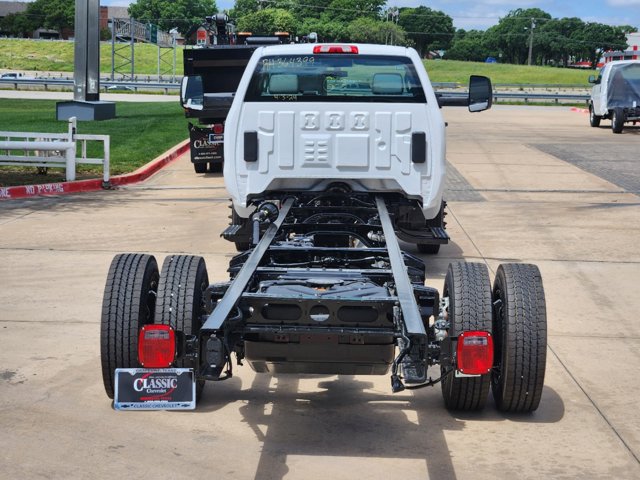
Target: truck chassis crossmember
(316, 297)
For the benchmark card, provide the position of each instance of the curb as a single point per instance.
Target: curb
(64, 188)
(579, 110)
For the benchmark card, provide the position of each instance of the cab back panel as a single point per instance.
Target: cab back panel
(343, 142)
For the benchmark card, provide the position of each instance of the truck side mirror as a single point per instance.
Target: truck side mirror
(595, 80)
(192, 92)
(480, 93)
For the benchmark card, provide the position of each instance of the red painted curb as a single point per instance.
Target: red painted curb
(63, 188)
(579, 110)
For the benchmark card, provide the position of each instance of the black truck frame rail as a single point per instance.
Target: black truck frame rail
(325, 289)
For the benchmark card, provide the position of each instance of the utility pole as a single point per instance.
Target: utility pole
(533, 25)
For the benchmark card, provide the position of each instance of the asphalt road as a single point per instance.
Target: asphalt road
(525, 186)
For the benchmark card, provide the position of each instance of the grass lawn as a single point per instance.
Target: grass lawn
(57, 56)
(457, 71)
(141, 132)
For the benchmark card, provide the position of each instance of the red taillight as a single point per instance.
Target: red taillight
(156, 346)
(335, 49)
(474, 353)
(218, 128)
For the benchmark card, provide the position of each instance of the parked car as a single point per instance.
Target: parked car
(119, 88)
(11, 76)
(616, 94)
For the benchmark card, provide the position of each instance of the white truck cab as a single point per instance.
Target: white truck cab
(308, 115)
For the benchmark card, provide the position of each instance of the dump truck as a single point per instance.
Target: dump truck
(212, 72)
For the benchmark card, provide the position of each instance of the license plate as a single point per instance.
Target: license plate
(158, 389)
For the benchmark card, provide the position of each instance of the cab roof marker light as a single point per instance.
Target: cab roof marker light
(335, 49)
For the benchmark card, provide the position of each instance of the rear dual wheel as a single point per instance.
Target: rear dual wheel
(520, 338)
(180, 302)
(128, 304)
(515, 313)
(468, 288)
(136, 295)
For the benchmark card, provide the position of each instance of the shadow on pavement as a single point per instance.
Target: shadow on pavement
(345, 419)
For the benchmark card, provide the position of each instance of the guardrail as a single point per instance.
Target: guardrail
(526, 96)
(104, 84)
(438, 86)
(45, 150)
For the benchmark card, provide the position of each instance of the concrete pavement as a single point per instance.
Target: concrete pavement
(526, 205)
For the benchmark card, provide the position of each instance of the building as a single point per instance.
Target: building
(631, 53)
(109, 13)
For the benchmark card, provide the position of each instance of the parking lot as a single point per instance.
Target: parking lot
(526, 184)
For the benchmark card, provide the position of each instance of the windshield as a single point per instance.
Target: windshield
(335, 78)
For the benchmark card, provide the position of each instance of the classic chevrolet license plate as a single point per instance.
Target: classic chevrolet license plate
(158, 389)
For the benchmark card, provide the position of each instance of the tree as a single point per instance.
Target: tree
(512, 33)
(348, 10)
(327, 31)
(368, 30)
(469, 46)
(54, 14)
(18, 24)
(559, 41)
(243, 7)
(268, 21)
(429, 29)
(597, 38)
(167, 14)
(58, 14)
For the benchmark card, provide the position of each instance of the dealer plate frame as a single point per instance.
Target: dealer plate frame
(182, 397)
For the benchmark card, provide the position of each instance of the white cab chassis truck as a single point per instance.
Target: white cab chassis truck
(615, 94)
(332, 153)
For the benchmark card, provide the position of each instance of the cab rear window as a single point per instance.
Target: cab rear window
(335, 78)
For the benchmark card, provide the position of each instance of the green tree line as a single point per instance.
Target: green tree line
(556, 41)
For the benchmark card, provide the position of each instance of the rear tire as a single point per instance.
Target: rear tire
(200, 167)
(617, 120)
(469, 290)
(520, 338)
(128, 304)
(181, 301)
(215, 167)
(594, 120)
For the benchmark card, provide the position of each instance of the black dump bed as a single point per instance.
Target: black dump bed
(221, 68)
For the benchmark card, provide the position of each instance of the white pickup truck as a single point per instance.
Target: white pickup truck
(616, 94)
(332, 153)
(306, 116)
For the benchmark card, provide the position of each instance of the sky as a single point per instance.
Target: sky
(481, 14)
